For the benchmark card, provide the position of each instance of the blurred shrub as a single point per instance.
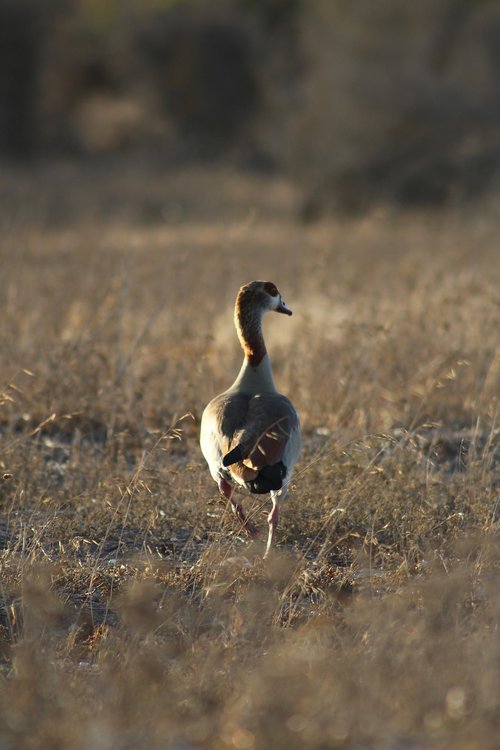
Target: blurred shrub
(95, 76)
(91, 76)
(200, 60)
(21, 23)
(363, 102)
(398, 101)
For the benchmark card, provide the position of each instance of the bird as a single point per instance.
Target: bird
(250, 433)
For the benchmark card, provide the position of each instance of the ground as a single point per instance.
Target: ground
(134, 612)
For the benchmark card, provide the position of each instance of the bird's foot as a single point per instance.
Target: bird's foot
(247, 524)
(251, 528)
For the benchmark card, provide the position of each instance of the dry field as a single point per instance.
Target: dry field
(134, 614)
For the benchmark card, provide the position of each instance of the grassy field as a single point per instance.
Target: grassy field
(134, 614)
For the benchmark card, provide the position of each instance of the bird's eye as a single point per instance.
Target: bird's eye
(271, 289)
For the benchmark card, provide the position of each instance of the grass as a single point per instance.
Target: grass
(133, 612)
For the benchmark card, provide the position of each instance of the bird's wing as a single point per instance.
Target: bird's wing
(263, 439)
(222, 418)
(241, 434)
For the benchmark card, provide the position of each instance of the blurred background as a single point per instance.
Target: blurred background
(359, 103)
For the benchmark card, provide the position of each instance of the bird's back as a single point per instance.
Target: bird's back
(247, 433)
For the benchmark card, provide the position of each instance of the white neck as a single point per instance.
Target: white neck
(257, 379)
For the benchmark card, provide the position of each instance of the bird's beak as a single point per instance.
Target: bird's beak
(282, 308)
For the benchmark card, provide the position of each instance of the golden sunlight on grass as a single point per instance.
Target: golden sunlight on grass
(133, 613)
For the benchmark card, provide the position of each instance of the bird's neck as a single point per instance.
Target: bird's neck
(256, 373)
(248, 322)
(257, 379)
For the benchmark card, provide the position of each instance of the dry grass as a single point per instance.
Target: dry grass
(134, 615)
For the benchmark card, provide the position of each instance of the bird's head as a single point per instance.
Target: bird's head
(263, 296)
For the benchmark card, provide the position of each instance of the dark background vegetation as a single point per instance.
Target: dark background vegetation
(360, 102)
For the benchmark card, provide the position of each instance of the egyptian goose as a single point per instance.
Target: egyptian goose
(250, 434)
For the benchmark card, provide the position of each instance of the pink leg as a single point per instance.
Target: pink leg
(247, 524)
(228, 491)
(272, 520)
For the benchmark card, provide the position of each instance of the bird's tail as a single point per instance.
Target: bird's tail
(267, 442)
(234, 455)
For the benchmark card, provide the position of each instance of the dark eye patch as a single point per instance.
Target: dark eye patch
(271, 289)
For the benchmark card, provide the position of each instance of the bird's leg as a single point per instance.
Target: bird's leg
(272, 520)
(247, 524)
(228, 491)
